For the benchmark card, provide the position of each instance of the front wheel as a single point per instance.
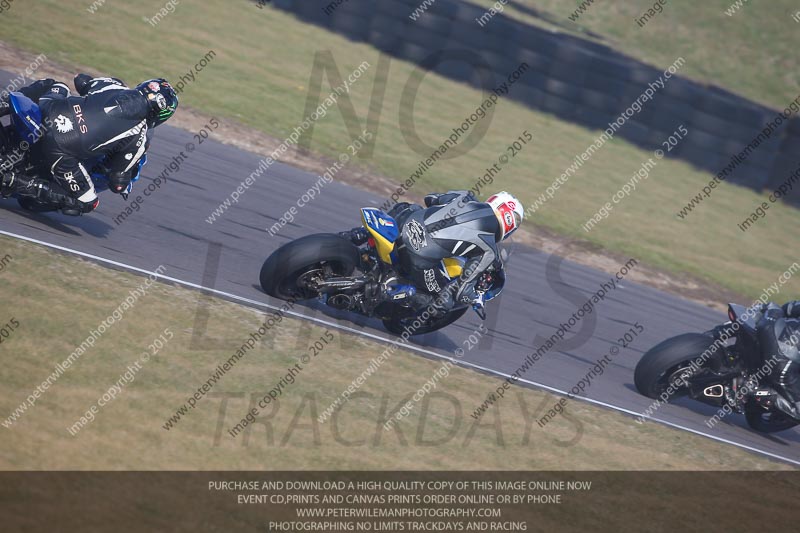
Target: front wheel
(765, 421)
(291, 269)
(399, 325)
(668, 365)
(35, 206)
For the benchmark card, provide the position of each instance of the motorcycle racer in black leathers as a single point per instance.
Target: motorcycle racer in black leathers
(107, 121)
(453, 224)
(779, 337)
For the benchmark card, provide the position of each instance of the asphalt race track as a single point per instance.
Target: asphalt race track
(170, 229)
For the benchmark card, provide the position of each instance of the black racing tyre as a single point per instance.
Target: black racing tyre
(660, 363)
(399, 325)
(283, 269)
(765, 421)
(35, 206)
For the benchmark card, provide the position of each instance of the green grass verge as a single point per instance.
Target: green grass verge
(69, 297)
(260, 77)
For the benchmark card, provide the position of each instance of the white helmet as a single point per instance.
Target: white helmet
(509, 212)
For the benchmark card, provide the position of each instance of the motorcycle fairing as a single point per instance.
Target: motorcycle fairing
(745, 316)
(26, 117)
(383, 229)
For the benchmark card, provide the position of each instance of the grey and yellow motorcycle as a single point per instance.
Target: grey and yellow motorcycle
(366, 279)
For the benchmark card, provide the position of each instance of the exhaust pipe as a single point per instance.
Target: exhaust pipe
(714, 391)
(340, 301)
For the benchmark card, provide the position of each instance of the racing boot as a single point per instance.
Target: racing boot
(50, 198)
(436, 304)
(15, 183)
(445, 300)
(418, 301)
(357, 236)
(400, 293)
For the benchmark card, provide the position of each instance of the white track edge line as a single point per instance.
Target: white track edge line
(391, 341)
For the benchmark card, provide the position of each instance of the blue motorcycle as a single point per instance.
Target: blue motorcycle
(17, 141)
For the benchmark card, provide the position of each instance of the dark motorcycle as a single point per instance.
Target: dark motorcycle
(17, 141)
(723, 366)
(365, 280)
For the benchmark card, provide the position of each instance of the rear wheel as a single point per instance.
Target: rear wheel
(669, 364)
(289, 272)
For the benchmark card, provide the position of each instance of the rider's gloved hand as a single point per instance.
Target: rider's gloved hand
(357, 236)
(81, 83)
(792, 309)
(430, 199)
(118, 182)
(772, 312)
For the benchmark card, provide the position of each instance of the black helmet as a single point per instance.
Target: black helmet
(162, 99)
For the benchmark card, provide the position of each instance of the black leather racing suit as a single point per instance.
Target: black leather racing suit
(779, 337)
(454, 224)
(107, 119)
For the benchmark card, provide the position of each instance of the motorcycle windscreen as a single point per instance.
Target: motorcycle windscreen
(383, 229)
(26, 117)
(744, 315)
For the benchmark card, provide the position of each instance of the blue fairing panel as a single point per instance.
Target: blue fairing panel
(26, 117)
(381, 222)
(383, 230)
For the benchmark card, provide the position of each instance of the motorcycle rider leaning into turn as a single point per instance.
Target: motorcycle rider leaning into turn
(452, 224)
(778, 332)
(106, 121)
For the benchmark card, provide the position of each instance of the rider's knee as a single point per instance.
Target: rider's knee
(88, 201)
(88, 207)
